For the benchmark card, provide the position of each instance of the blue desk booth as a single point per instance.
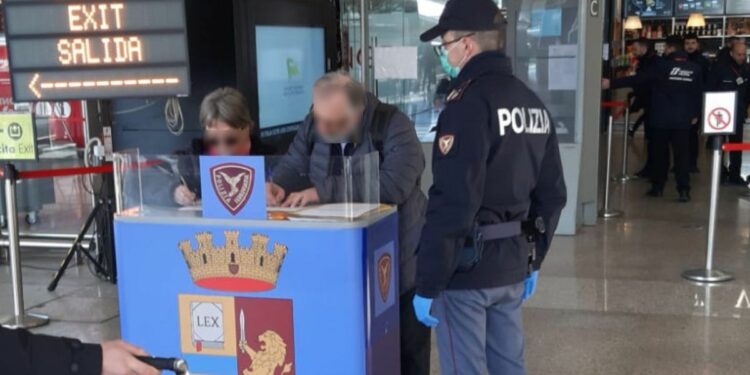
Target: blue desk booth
(306, 295)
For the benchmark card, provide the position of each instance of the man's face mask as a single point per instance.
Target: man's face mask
(444, 50)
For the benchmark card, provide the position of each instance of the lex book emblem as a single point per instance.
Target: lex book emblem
(233, 184)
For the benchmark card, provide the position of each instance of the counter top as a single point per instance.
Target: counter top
(171, 216)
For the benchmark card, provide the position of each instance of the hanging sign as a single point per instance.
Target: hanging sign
(96, 49)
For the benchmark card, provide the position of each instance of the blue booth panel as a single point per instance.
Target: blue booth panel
(262, 297)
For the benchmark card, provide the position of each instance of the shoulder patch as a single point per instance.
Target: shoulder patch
(445, 143)
(458, 92)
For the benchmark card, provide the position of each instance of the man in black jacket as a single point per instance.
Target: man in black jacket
(695, 54)
(496, 164)
(733, 74)
(643, 49)
(676, 96)
(24, 353)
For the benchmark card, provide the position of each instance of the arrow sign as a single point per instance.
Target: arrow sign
(37, 85)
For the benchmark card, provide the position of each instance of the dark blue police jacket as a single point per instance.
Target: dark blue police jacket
(727, 75)
(676, 91)
(495, 159)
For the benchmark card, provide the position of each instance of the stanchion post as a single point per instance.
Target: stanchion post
(624, 176)
(607, 212)
(19, 319)
(709, 274)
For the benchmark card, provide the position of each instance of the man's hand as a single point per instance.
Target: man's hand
(183, 196)
(302, 198)
(118, 358)
(694, 121)
(275, 194)
(605, 84)
(422, 311)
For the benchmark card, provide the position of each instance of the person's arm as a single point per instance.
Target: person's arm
(22, 352)
(456, 193)
(647, 77)
(25, 353)
(291, 173)
(403, 161)
(548, 197)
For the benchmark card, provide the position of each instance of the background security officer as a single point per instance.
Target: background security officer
(677, 88)
(496, 163)
(733, 74)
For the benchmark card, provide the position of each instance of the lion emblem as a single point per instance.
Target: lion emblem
(270, 356)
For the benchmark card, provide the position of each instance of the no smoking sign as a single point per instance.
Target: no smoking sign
(719, 119)
(719, 112)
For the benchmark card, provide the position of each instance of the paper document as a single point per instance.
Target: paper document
(395, 62)
(563, 67)
(336, 211)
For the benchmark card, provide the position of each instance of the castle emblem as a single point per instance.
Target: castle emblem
(385, 267)
(233, 268)
(233, 184)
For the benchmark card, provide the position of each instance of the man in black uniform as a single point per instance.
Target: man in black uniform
(24, 353)
(643, 49)
(676, 98)
(733, 74)
(496, 164)
(695, 54)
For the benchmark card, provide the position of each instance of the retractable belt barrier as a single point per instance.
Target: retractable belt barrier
(607, 212)
(709, 274)
(21, 319)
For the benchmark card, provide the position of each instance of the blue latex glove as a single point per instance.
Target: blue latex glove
(422, 310)
(530, 285)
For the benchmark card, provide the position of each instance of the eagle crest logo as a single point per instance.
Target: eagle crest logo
(385, 267)
(233, 184)
(445, 143)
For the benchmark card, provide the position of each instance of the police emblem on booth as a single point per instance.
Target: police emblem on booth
(384, 295)
(257, 332)
(233, 187)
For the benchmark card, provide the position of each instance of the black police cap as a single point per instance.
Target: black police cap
(464, 15)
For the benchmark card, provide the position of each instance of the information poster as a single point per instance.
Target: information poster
(290, 59)
(649, 8)
(17, 137)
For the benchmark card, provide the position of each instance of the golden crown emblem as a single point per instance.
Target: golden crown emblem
(233, 268)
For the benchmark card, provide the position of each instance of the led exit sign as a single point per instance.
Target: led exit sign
(96, 49)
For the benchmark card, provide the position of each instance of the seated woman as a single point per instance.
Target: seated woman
(227, 130)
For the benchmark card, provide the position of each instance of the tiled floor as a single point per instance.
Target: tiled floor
(610, 300)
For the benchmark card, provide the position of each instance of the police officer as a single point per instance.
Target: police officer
(496, 164)
(677, 87)
(733, 74)
(695, 54)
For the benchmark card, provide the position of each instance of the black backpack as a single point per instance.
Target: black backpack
(381, 119)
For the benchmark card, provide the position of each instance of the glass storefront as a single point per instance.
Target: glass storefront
(542, 41)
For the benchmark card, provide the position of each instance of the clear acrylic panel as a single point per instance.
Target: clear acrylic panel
(341, 189)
